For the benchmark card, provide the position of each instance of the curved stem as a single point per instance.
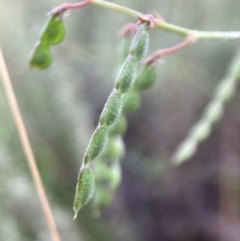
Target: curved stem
(200, 35)
(118, 8)
(161, 24)
(152, 59)
(27, 148)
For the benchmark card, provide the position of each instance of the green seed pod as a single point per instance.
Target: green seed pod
(41, 57)
(102, 197)
(140, 42)
(120, 148)
(118, 127)
(226, 90)
(122, 52)
(131, 101)
(123, 47)
(234, 68)
(112, 109)
(147, 77)
(185, 151)
(201, 131)
(97, 144)
(116, 176)
(127, 75)
(102, 172)
(54, 31)
(114, 149)
(214, 111)
(84, 190)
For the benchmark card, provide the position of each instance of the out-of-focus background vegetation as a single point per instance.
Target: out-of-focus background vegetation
(198, 201)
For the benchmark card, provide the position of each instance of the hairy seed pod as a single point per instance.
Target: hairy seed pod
(201, 130)
(234, 69)
(214, 111)
(127, 75)
(41, 57)
(123, 47)
(121, 148)
(96, 144)
(102, 172)
(118, 127)
(147, 77)
(114, 149)
(101, 198)
(185, 151)
(54, 31)
(122, 52)
(112, 109)
(212, 114)
(116, 176)
(140, 42)
(84, 190)
(226, 90)
(131, 101)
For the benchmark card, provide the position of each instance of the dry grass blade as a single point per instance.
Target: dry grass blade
(27, 148)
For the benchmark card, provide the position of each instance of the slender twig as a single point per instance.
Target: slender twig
(159, 53)
(27, 148)
(200, 35)
(127, 29)
(170, 27)
(118, 8)
(67, 6)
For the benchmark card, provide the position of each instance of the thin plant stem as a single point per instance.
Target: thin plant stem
(27, 148)
(152, 59)
(77, 5)
(118, 8)
(161, 24)
(170, 27)
(67, 6)
(183, 44)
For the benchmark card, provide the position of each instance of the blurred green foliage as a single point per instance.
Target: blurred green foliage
(61, 107)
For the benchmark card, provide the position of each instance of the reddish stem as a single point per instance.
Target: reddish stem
(159, 53)
(127, 29)
(67, 6)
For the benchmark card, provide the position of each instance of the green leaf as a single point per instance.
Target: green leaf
(41, 57)
(53, 32)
